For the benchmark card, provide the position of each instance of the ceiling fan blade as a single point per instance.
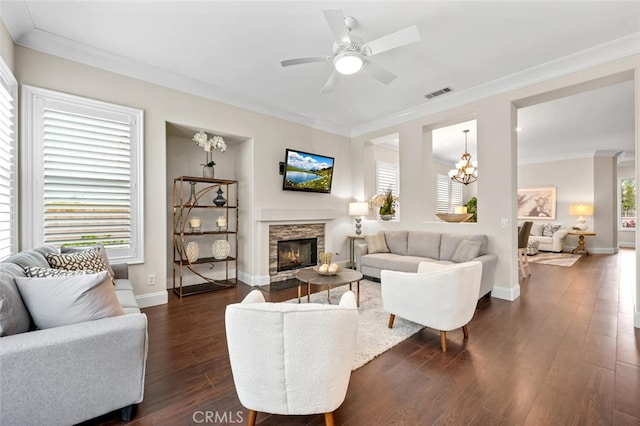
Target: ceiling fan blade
(379, 73)
(330, 84)
(335, 19)
(298, 61)
(393, 40)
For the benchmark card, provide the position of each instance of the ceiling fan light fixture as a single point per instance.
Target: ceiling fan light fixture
(348, 63)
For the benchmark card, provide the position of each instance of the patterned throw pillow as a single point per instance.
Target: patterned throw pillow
(37, 272)
(89, 260)
(549, 229)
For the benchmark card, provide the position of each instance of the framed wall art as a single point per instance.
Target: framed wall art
(537, 203)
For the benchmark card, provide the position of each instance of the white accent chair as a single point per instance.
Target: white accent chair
(442, 297)
(291, 359)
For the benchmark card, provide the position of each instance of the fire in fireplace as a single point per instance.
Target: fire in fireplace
(296, 254)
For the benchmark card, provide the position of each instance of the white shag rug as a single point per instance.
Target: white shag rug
(556, 259)
(374, 337)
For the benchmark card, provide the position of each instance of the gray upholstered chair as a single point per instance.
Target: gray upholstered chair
(291, 359)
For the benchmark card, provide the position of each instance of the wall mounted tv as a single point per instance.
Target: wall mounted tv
(304, 171)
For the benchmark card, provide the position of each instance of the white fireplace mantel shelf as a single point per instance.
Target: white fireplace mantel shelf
(283, 215)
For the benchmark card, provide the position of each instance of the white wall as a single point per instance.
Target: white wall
(257, 165)
(6, 46)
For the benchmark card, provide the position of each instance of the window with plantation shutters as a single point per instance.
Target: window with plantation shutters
(387, 178)
(448, 194)
(8, 166)
(87, 156)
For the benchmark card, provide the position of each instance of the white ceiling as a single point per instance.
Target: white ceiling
(230, 51)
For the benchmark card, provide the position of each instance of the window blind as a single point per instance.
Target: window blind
(448, 194)
(87, 180)
(387, 177)
(8, 201)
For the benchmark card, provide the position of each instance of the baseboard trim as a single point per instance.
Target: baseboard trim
(627, 245)
(506, 293)
(152, 299)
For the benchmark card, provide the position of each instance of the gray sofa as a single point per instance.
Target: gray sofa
(408, 248)
(72, 373)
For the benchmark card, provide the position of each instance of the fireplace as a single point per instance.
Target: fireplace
(287, 233)
(296, 254)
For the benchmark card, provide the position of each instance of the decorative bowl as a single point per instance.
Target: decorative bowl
(317, 269)
(454, 217)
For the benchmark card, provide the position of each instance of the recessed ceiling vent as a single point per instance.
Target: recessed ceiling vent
(438, 92)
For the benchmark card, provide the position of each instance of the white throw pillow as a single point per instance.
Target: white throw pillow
(56, 301)
(376, 243)
(536, 229)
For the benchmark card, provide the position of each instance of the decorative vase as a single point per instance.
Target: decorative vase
(386, 216)
(220, 249)
(208, 172)
(192, 251)
(219, 200)
(193, 201)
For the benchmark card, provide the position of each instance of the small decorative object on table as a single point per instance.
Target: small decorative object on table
(209, 145)
(219, 200)
(326, 267)
(195, 224)
(221, 222)
(220, 249)
(193, 201)
(386, 203)
(192, 251)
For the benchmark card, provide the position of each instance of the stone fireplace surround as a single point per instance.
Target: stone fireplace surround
(291, 232)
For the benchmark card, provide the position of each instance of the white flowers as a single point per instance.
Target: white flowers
(210, 144)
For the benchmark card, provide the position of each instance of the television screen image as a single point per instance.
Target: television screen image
(304, 171)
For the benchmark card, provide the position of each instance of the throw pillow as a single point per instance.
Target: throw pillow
(37, 272)
(549, 229)
(467, 250)
(376, 244)
(100, 247)
(536, 229)
(57, 301)
(90, 260)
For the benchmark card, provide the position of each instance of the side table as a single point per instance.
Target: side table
(352, 241)
(581, 247)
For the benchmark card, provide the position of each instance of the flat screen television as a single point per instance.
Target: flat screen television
(304, 171)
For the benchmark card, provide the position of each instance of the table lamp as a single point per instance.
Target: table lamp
(581, 210)
(358, 210)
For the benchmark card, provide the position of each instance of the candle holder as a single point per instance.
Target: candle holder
(222, 223)
(196, 225)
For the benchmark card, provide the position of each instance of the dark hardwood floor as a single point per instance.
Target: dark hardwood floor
(565, 352)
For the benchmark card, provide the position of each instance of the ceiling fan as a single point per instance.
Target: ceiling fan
(351, 54)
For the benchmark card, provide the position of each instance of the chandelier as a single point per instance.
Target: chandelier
(466, 171)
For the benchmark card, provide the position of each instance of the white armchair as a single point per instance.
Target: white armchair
(442, 297)
(291, 359)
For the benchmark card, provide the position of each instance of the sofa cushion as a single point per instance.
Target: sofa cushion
(424, 244)
(376, 244)
(397, 241)
(550, 228)
(38, 272)
(14, 317)
(467, 250)
(377, 260)
(58, 301)
(99, 247)
(536, 229)
(542, 240)
(28, 258)
(449, 244)
(90, 260)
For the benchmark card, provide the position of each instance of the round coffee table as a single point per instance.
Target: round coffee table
(346, 276)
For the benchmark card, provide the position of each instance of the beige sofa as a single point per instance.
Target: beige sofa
(406, 249)
(550, 236)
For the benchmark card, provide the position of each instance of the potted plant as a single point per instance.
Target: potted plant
(472, 207)
(386, 203)
(209, 145)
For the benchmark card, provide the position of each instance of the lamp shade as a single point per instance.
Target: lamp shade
(358, 209)
(581, 210)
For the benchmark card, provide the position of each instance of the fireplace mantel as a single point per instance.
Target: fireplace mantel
(264, 214)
